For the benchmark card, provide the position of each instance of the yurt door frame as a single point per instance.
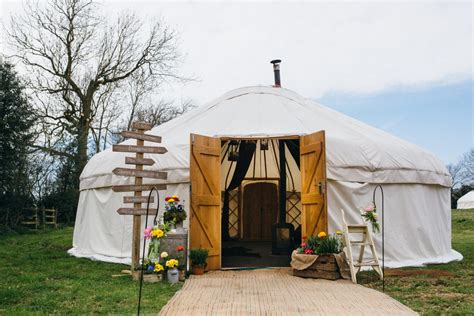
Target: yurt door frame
(205, 172)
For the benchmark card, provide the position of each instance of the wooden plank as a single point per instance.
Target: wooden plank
(139, 161)
(207, 200)
(140, 173)
(142, 126)
(138, 199)
(135, 211)
(133, 188)
(137, 222)
(311, 198)
(141, 136)
(139, 149)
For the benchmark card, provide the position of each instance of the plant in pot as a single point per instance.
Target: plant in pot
(151, 268)
(198, 258)
(172, 274)
(175, 213)
(318, 257)
(152, 271)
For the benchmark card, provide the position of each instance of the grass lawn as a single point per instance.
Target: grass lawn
(38, 276)
(437, 289)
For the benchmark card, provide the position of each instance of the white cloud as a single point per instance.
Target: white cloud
(351, 47)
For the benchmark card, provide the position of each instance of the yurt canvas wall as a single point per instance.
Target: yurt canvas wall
(416, 184)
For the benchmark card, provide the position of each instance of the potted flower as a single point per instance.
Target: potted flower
(172, 273)
(198, 258)
(175, 213)
(317, 257)
(152, 271)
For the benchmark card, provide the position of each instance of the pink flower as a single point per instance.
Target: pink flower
(370, 208)
(303, 245)
(147, 232)
(308, 251)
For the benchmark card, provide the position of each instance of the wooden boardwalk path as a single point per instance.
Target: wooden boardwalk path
(277, 292)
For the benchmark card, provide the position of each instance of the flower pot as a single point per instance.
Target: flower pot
(180, 228)
(173, 275)
(198, 270)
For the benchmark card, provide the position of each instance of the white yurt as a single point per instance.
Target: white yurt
(416, 184)
(466, 201)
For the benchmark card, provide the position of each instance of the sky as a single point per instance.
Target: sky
(405, 67)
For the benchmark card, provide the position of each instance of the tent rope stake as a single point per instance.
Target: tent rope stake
(138, 173)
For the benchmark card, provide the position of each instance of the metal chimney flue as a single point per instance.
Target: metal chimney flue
(276, 72)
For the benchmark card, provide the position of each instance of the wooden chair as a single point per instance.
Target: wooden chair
(31, 218)
(361, 229)
(50, 217)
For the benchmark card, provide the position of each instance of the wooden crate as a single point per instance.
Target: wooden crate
(325, 267)
(147, 277)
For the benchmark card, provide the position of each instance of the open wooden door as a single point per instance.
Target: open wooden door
(314, 216)
(205, 215)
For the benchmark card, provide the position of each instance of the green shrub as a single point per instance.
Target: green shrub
(330, 244)
(198, 256)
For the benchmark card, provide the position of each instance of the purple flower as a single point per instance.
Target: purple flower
(150, 268)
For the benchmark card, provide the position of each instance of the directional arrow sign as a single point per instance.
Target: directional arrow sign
(139, 149)
(142, 126)
(139, 161)
(136, 211)
(135, 135)
(137, 199)
(142, 187)
(140, 173)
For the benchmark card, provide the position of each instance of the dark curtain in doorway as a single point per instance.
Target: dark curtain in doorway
(246, 152)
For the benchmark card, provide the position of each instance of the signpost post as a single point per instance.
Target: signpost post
(138, 187)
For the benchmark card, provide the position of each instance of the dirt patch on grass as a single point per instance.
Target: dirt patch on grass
(414, 272)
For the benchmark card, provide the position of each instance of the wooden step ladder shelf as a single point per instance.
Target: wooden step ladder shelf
(366, 240)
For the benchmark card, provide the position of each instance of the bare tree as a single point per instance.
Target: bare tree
(77, 59)
(162, 112)
(462, 172)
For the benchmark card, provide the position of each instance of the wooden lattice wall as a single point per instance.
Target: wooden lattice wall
(293, 210)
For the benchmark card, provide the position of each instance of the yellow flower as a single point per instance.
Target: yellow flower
(172, 263)
(174, 197)
(164, 254)
(338, 232)
(158, 233)
(322, 235)
(170, 200)
(158, 267)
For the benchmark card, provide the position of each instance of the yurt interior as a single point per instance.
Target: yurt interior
(261, 201)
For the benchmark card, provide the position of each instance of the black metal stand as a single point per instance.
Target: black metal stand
(383, 231)
(144, 242)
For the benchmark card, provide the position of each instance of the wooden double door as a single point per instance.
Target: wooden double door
(260, 210)
(205, 212)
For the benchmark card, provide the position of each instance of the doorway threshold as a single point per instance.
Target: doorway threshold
(250, 268)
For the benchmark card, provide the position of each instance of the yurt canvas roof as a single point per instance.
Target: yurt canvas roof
(466, 201)
(356, 152)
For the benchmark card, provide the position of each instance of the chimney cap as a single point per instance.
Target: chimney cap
(275, 61)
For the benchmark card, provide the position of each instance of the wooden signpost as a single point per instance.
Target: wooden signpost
(137, 199)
